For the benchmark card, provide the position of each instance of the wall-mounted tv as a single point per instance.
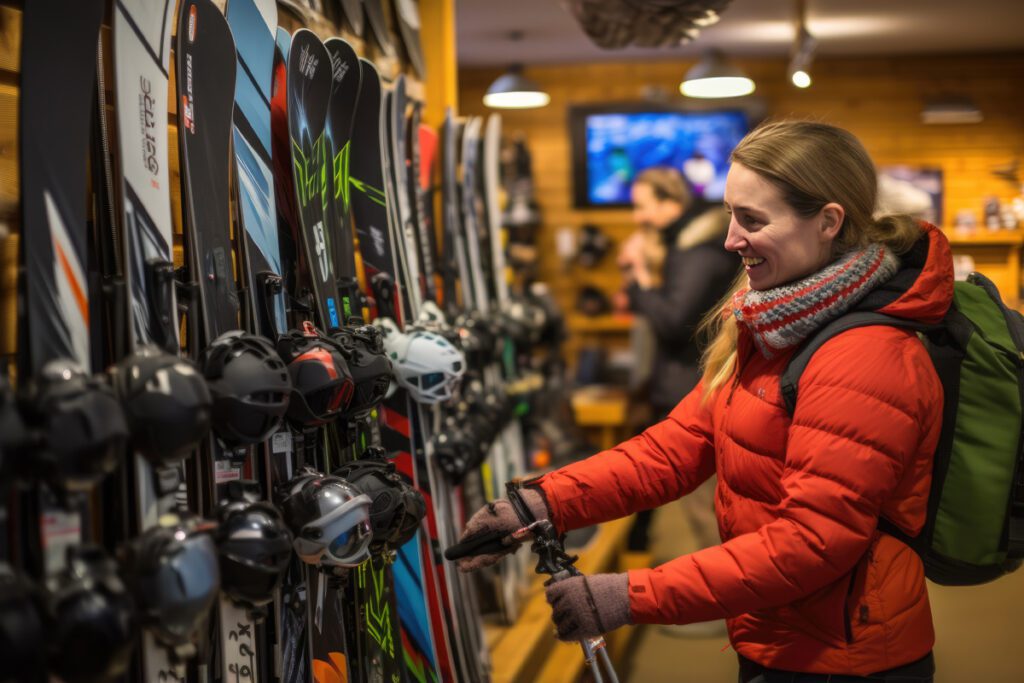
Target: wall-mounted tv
(612, 144)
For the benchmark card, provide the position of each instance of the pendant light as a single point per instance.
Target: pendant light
(513, 90)
(799, 69)
(714, 77)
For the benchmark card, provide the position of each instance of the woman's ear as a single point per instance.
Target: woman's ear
(832, 216)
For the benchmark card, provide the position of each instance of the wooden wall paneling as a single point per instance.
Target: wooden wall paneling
(878, 99)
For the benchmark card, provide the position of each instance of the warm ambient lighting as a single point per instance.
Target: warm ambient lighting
(713, 77)
(512, 90)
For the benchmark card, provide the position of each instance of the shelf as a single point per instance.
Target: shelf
(984, 237)
(613, 322)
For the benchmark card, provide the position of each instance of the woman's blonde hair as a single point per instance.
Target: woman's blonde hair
(811, 164)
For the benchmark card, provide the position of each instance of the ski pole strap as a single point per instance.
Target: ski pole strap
(512, 489)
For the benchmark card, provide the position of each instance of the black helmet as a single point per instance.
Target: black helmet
(477, 338)
(456, 451)
(321, 381)
(591, 301)
(166, 402)
(363, 346)
(173, 573)
(79, 422)
(524, 320)
(593, 245)
(329, 519)
(397, 508)
(249, 384)
(22, 638)
(91, 619)
(253, 544)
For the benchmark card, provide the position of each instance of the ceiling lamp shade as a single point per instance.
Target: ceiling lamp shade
(513, 90)
(714, 77)
(803, 55)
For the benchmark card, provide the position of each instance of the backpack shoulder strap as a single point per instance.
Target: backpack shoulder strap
(798, 362)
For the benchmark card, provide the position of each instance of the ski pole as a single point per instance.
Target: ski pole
(551, 559)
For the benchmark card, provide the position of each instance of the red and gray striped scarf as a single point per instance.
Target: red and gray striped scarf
(782, 317)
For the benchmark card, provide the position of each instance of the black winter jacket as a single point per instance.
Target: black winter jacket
(695, 277)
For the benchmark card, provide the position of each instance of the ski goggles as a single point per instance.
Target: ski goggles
(340, 538)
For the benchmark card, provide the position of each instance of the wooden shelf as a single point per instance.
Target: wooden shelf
(614, 323)
(984, 237)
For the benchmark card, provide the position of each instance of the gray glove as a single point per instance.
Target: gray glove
(499, 517)
(587, 606)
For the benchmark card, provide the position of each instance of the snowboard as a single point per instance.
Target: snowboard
(142, 42)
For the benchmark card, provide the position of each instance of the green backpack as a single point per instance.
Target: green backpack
(974, 531)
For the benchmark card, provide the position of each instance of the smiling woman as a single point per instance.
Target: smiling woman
(801, 195)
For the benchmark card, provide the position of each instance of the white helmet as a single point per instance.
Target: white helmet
(431, 317)
(425, 363)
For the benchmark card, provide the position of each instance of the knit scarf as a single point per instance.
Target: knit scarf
(782, 317)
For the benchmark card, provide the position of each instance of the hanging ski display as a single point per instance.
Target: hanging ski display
(165, 398)
(71, 431)
(247, 379)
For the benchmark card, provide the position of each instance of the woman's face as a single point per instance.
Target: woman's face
(651, 212)
(777, 245)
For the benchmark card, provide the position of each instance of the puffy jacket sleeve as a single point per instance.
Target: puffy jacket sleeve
(663, 463)
(869, 402)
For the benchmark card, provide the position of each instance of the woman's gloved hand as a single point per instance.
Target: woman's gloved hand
(588, 606)
(498, 519)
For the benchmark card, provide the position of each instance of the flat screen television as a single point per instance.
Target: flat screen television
(612, 144)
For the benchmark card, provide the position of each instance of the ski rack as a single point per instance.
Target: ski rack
(560, 565)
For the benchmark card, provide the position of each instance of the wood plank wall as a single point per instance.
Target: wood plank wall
(879, 99)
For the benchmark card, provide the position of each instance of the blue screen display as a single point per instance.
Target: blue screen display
(619, 146)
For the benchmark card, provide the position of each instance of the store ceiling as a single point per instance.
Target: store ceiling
(750, 28)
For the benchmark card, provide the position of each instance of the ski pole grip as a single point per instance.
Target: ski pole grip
(482, 544)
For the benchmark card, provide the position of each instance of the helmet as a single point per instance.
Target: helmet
(524, 320)
(363, 347)
(593, 245)
(81, 424)
(249, 384)
(91, 619)
(397, 507)
(22, 640)
(478, 338)
(166, 402)
(253, 545)
(329, 519)
(173, 573)
(426, 364)
(591, 301)
(456, 452)
(321, 382)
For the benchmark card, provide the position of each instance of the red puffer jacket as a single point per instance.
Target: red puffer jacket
(803, 576)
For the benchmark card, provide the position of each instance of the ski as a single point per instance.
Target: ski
(166, 399)
(71, 430)
(248, 380)
(308, 91)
